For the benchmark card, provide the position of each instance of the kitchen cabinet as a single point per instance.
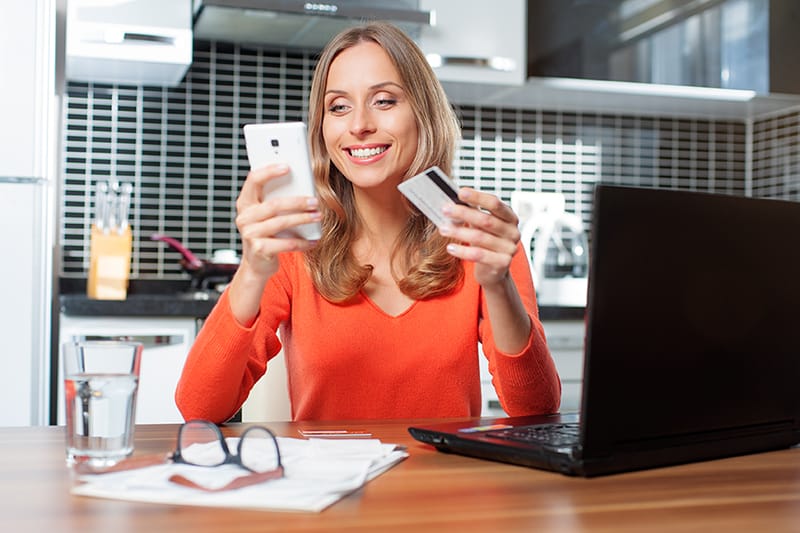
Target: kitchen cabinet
(166, 344)
(126, 42)
(566, 340)
(475, 42)
(269, 398)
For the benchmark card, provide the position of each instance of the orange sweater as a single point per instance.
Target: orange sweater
(353, 361)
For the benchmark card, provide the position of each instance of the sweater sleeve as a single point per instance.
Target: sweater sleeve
(526, 382)
(227, 359)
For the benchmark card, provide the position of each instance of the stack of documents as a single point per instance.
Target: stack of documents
(318, 473)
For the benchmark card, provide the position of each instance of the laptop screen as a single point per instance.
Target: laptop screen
(693, 318)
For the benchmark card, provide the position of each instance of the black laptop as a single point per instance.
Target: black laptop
(692, 348)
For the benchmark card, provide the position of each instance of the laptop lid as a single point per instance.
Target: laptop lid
(692, 347)
(692, 323)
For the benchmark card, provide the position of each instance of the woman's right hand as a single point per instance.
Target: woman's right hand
(259, 220)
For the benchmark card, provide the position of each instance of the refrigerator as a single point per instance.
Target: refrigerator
(25, 306)
(28, 166)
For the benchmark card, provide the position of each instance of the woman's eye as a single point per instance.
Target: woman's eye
(337, 108)
(385, 102)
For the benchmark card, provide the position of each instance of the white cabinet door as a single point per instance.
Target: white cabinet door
(478, 41)
(24, 308)
(28, 134)
(565, 338)
(166, 344)
(28, 103)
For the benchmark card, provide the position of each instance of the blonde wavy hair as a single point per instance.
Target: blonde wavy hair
(420, 262)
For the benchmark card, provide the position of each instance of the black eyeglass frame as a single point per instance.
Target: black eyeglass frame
(230, 458)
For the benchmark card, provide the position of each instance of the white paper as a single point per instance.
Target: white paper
(318, 473)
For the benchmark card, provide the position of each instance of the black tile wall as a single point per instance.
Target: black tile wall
(183, 150)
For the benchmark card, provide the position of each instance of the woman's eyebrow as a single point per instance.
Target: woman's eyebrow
(380, 85)
(383, 84)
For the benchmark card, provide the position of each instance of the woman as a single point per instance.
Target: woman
(382, 317)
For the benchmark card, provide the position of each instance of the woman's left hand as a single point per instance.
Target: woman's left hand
(488, 236)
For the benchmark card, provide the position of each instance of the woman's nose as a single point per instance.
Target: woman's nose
(361, 121)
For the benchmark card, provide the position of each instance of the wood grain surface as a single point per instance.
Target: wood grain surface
(429, 491)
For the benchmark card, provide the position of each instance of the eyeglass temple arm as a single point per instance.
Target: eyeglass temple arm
(239, 482)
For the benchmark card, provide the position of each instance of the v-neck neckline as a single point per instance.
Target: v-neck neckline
(382, 311)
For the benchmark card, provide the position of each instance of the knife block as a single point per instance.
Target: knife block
(109, 264)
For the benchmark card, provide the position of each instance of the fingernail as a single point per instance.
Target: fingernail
(447, 209)
(312, 202)
(451, 248)
(446, 230)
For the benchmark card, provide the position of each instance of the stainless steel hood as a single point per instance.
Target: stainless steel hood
(295, 23)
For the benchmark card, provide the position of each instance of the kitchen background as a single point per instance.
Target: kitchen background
(180, 145)
(182, 148)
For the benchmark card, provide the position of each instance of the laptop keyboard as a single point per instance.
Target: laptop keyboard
(558, 435)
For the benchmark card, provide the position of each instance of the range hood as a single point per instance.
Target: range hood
(295, 23)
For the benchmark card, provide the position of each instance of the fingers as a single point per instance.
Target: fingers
(259, 217)
(262, 221)
(487, 236)
(490, 203)
(277, 207)
(254, 184)
(494, 225)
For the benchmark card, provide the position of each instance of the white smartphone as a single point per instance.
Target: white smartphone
(284, 142)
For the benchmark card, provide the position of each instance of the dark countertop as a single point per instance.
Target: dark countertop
(196, 305)
(552, 312)
(199, 305)
(145, 298)
(169, 299)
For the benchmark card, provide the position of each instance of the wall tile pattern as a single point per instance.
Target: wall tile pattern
(183, 150)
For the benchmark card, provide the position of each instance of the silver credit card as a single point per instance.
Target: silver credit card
(430, 191)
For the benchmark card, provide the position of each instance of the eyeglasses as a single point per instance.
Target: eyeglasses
(201, 443)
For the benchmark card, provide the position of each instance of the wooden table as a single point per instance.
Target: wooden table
(429, 491)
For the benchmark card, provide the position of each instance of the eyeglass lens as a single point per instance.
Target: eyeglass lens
(258, 450)
(201, 443)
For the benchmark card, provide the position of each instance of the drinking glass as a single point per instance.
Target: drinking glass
(100, 383)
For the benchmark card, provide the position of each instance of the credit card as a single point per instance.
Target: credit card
(430, 191)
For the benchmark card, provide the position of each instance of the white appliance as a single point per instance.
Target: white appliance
(473, 42)
(28, 107)
(129, 41)
(24, 308)
(557, 247)
(166, 342)
(297, 24)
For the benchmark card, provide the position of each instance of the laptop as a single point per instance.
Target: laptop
(692, 341)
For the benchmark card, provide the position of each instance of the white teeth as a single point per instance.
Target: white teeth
(367, 152)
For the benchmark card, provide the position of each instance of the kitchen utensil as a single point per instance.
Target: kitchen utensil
(204, 273)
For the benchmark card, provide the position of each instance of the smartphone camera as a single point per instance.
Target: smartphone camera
(274, 143)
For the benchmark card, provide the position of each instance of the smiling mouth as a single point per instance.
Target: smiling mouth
(366, 153)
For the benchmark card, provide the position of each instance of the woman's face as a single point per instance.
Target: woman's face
(368, 126)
